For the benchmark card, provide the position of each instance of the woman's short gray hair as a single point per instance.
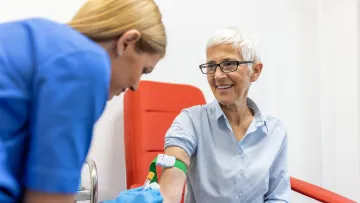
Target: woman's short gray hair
(243, 44)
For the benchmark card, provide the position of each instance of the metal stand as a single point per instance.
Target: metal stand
(91, 194)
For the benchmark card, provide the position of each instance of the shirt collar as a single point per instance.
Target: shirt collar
(259, 117)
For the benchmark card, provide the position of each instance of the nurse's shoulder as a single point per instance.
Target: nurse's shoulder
(54, 39)
(32, 45)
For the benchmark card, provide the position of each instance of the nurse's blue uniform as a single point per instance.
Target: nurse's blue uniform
(54, 85)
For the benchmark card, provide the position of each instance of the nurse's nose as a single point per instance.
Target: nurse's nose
(134, 87)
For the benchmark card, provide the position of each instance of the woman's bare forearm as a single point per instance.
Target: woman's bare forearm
(172, 184)
(173, 179)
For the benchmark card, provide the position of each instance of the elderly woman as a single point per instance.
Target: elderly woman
(232, 151)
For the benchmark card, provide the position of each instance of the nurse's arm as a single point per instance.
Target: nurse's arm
(38, 197)
(173, 179)
(69, 95)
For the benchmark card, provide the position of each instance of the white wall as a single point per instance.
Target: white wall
(340, 96)
(310, 79)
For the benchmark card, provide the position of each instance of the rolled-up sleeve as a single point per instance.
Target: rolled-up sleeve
(182, 134)
(279, 183)
(70, 93)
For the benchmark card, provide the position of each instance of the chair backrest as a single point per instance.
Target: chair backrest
(148, 114)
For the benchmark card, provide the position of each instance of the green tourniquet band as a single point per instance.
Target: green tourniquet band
(178, 164)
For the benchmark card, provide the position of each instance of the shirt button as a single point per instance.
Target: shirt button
(241, 172)
(240, 194)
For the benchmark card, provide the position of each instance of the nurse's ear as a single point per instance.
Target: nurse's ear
(128, 39)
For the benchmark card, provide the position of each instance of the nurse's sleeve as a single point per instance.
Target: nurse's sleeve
(69, 95)
(279, 183)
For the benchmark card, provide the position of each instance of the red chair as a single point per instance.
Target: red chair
(316, 192)
(149, 112)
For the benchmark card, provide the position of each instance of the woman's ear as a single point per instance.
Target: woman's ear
(129, 38)
(255, 72)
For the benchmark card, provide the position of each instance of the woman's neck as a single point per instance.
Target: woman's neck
(238, 112)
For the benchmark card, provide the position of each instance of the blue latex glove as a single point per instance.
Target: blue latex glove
(137, 195)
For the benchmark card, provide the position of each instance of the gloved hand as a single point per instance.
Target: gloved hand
(137, 195)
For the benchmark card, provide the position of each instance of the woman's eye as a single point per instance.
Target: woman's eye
(229, 63)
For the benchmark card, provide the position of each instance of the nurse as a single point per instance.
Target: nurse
(55, 80)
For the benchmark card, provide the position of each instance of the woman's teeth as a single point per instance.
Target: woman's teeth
(224, 86)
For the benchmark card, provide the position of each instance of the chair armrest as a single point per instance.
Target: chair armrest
(317, 193)
(135, 186)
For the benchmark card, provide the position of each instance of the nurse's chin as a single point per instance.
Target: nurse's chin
(111, 96)
(117, 93)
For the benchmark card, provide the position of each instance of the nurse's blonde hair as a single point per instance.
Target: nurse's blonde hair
(102, 20)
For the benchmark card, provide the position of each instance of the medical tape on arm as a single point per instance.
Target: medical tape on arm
(166, 161)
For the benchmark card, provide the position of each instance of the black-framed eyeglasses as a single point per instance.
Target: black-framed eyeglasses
(225, 66)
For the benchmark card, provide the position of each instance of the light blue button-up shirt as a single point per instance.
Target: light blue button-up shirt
(223, 170)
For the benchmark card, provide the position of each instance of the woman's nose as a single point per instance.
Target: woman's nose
(219, 74)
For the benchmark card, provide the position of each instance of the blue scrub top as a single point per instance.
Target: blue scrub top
(54, 85)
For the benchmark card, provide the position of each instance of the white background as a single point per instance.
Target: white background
(310, 50)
